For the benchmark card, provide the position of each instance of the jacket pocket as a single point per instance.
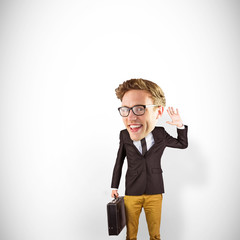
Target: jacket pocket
(156, 170)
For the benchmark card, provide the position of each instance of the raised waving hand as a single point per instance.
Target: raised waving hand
(174, 115)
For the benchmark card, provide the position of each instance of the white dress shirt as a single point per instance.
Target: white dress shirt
(149, 141)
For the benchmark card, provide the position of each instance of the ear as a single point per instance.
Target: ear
(160, 111)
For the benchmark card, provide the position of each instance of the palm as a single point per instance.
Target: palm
(175, 117)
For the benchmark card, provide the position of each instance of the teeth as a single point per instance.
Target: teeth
(135, 126)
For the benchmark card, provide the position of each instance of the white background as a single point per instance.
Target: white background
(60, 62)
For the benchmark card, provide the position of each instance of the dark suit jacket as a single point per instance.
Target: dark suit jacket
(144, 173)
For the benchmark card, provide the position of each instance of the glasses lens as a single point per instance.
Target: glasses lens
(123, 111)
(139, 110)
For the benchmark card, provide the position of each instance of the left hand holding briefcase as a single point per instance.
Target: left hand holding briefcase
(116, 216)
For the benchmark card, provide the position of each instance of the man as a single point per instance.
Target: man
(143, 144)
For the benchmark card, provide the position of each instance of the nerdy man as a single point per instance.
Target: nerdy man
(142, 143)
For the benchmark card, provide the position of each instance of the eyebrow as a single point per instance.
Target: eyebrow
(135, 105)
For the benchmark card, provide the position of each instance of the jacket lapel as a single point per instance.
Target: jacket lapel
(128, 140)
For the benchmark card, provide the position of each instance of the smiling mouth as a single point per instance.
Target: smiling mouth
(135, 127)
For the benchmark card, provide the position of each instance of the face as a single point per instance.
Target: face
(140, 126)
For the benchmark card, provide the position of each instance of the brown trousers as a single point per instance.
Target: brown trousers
(152, 205)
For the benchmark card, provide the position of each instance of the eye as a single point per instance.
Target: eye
(139, 109)
(124, 109)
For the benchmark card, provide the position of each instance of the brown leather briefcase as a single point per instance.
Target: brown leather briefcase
(116, 216)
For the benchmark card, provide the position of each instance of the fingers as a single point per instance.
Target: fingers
(114, 192)
(171, 111)
(174, 115)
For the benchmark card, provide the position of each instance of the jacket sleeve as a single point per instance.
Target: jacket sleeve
(180, 142)
(117, 171)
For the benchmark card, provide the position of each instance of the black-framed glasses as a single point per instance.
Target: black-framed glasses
(138, 110)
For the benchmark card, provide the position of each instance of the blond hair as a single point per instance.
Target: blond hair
(156, 92)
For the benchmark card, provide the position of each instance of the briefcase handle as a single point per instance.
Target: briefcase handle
(115, 199)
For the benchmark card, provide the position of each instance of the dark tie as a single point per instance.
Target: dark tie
(144, 146)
